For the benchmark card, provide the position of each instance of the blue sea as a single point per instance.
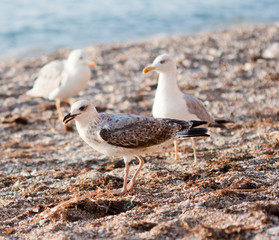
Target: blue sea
(32, 27)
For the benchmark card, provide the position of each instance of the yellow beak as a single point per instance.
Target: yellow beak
(148, 69)
(92, 64)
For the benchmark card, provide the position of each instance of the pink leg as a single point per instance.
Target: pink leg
(124, 188)
(176, 149)
(194, 151)
(133, 180)
(58, 106)
(127, 161)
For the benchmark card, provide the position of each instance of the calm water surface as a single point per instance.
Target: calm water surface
(29, 27)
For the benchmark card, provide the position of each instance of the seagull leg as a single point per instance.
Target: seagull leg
(70, 102)
(127, 161)
(194, 150)
(133, 180)
(60, 114)
(176, 150)
(124, 188)
(58, 106)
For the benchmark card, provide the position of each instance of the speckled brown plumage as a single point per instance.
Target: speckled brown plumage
(131, 131)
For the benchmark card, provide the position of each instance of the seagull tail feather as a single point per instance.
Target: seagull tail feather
(197, 123)
(194, 132)
(220, 123)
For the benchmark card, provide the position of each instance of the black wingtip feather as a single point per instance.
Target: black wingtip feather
(220, 123)
(223, 121)
(194, 132)
(184, 123)
(197, 123)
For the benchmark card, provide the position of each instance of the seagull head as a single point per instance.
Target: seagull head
(161, 64)
(81, 111)
(79, 57)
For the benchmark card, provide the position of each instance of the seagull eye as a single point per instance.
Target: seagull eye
(162, 61)
(82, 108)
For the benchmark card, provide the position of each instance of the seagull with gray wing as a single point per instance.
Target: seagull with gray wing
(170, 102)
(127, 135)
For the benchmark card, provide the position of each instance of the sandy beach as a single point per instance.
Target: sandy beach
(54, 186)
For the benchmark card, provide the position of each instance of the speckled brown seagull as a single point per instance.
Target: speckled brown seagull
(127, 135)
(170, 102)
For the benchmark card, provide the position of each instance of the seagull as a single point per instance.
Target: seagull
(170, 102)
(127, 135)
(61, 79)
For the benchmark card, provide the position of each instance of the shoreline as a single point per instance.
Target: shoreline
(38, 51)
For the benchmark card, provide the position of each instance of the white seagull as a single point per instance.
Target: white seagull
(170, 102)
(127, 135)
(61, 79)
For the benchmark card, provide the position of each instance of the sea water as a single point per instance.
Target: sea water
(30, 27)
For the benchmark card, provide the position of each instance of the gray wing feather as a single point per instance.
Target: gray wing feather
(196, 107)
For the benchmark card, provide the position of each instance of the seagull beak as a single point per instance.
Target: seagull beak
(92, 64)
(68, 118)
(148, 69)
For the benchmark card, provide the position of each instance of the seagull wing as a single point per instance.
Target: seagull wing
(48, 79)
(197, 108)
(131, 131)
